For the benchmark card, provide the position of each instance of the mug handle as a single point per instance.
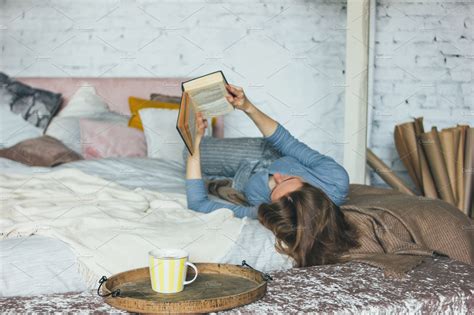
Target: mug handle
(195, 273)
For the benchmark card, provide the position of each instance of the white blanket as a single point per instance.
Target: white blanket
(111, 228)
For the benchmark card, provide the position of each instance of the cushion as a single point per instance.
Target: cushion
(165, 98)
(162, 137)
(136, 104)
(41, 151)
(35, 105)
(85, 103)
(102, 139)
(13, 128)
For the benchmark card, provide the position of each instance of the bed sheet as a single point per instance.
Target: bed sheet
(38, 265)
(152, 174)
(46, 265)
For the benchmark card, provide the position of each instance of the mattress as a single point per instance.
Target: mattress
(42, 273)
(46, 265)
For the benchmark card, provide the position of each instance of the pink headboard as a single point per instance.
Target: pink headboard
(115, 91)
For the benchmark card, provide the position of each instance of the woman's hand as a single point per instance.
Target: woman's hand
(193, 164)
(201, 125)
(237, 98)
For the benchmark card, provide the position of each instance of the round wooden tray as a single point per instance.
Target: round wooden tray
(217, 287)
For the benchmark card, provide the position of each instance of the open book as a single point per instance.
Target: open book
(205, 94)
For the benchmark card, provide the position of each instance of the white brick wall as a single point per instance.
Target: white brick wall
(288, 55)
(424, 59)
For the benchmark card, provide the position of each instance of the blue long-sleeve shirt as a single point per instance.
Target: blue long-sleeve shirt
(297, 160)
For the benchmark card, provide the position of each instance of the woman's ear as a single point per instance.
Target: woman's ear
(278, 177)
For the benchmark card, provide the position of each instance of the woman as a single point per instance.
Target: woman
(297, 193)
(292, 189)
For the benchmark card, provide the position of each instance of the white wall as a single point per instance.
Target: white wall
(424, 59)
(288, 55)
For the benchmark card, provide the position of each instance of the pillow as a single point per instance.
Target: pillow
(68, 129)
(85, 103)
(157, 101)
(13, 128)
(162, 138)
(136, 104)
(41, 151)
(165, 98)
(106, 139)
(36, 106)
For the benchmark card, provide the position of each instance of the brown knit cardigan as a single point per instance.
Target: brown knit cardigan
(397, 231)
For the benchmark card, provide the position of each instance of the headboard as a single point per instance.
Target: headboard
(115, 91)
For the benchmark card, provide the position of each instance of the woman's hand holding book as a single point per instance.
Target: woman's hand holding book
(237, 98)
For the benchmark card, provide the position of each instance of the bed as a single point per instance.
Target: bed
(437, 286)
(55, 267)
(43, 271)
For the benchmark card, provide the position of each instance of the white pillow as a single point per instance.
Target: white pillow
(85, 103)
(68, 129)
(14, 129)
(162, 138)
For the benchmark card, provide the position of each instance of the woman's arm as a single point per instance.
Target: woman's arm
(329, 173)
(197, 197)
(273, 132)
(237, 98)
(198, 200)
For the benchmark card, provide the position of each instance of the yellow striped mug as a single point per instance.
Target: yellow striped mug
(168, 269)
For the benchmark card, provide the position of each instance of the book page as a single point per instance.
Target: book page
(203, 81)
(211, 100)
(192, 125)
(182, 124)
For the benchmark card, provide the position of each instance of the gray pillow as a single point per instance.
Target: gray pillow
(36, 106)
(165, 98)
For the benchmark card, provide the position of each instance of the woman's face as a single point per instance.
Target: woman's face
(284, 184)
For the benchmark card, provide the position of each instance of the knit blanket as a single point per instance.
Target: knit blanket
(109, 227)
(397, 231)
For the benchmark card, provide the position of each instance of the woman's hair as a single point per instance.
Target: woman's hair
(307, 225)
(222, 188)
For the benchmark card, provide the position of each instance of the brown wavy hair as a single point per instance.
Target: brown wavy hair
(308, 226)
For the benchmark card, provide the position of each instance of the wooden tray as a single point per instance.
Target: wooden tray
(217, 287)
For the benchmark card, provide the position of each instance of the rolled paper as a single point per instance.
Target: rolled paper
(427, 181)
(468, 169)
(449, 147)
(386, 173)
(460, 165)
(405, 143)
(432, 148)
